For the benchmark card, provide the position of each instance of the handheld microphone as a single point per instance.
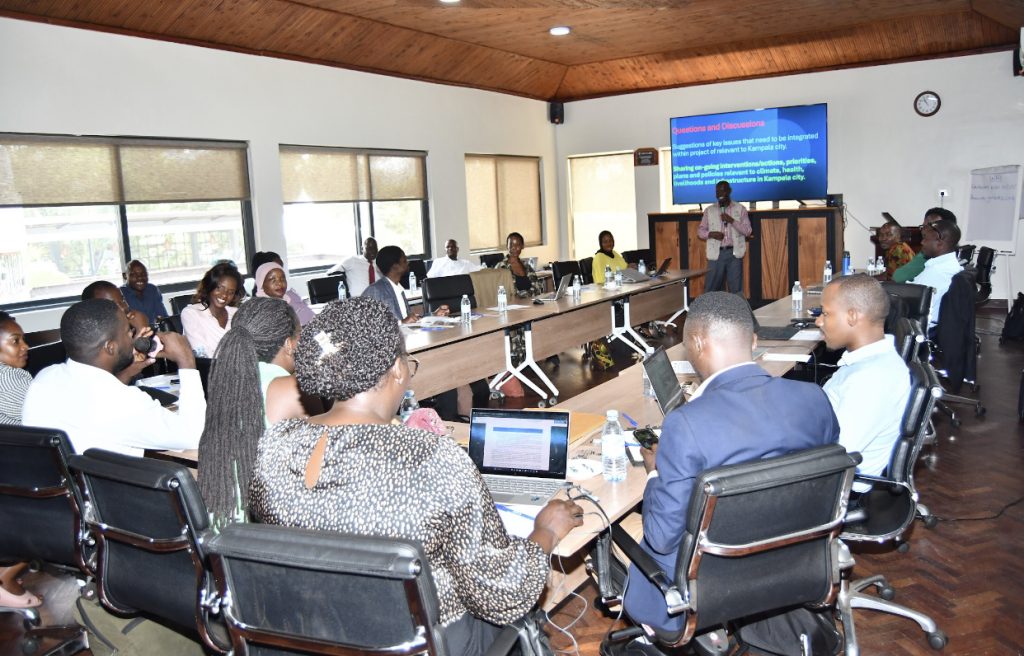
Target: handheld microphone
(147, 345)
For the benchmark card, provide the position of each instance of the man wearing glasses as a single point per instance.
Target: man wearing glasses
(914, 267)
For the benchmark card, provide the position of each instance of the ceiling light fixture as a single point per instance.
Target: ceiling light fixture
(561, 30)
(449, 2)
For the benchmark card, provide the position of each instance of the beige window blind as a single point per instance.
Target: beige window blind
(502, 196)
(323, 175)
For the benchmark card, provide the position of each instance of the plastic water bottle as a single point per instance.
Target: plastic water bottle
(576, 285)
(466, 310)
(613, 448)
(641, 267)
(880, 265)
(608, 275)
(798, 299)
(408, 406)
(342, 292)
(648, 388)
(412, 281)
(502, 299)
(871, 267)
(846, 263)
(618, 277)
(826, 276)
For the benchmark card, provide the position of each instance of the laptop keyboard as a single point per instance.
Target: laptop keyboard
(534, 486)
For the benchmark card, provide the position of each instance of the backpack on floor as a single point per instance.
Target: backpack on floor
(796, 632)
(1014, 326)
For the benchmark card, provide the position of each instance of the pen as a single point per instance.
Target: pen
(501, 506)
(630, 419)
(633, 444)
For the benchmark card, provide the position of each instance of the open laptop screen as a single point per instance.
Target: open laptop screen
(663, 380)
(520, 442)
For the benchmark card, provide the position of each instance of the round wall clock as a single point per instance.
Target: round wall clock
(927, 103)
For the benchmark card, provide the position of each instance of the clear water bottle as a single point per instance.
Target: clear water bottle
(408, 406)
(880, 265)
(846, 263)
(342, 292)
(798, 299)
(648, 388)
(613, 448)
(826, 276)
(577, 284)
(641, 267)
(608, 275)
(466, 310)
(502, 299)
(871, 267)
(412, 281)
(618, 277)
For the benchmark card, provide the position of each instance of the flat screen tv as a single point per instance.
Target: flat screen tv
(765, 154)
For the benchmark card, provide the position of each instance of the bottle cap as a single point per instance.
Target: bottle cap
(612, 415)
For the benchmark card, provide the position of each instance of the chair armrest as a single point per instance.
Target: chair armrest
(506, 641)
(650, 569)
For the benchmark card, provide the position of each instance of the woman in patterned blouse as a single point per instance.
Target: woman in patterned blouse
(352, 470)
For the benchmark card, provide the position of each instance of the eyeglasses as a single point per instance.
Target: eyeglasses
(414, 366)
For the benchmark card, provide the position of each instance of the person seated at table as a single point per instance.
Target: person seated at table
(939, 243)
(353, 470)
(526, 281)
(140, 295)
(869, 390)
(215, 301)
(897, 252)
(138, 321)
(272, 282)
(737, 414)
(394, 264)
(915, 266)
(251, 387)
(451, 265)
(83, 398)
(607, 256)
(361, 271)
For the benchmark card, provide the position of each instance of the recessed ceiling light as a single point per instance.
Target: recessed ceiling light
(449, 2)
(561, 30)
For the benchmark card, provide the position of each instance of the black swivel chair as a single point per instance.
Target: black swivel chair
(955, 343)
(587, 270)
(289, 591)
(918, 299)
(43, 355)
(179, 303)
(965, 253)
(761, 536)
(324, 290)
(564, 268)
(40, 512)
(419, 267)
(490, 259)
(634, 257)
(984, 273)
(887, 511)
(449, 291)
(148, 518)
(909, 338)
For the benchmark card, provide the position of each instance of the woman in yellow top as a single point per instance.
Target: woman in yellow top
(607, 257)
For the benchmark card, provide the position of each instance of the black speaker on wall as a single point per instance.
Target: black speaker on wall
(556, 112)
(1018, 61)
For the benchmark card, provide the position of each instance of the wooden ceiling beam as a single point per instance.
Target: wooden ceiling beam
(1008, 12)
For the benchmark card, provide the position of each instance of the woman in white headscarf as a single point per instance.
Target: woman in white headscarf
(272, 281)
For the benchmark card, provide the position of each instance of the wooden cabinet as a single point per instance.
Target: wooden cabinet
(786, 245)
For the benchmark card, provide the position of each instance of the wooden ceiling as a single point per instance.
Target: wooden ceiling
(615, 47)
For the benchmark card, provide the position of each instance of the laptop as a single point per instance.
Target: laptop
(522, 455)
(563, 287)
(663, 379)
(632, 275)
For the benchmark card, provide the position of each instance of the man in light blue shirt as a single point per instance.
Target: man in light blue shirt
(939, 241)
(869, 392)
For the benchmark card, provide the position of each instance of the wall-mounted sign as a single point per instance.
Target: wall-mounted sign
(645, 157)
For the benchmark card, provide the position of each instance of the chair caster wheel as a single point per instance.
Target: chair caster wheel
(979, 410)
(552, 401)
(29, 646)
(904, 547)
(542, 403)
(887, 592)
(495, 396)
(930, 521)
(937, 640)
(955, 423)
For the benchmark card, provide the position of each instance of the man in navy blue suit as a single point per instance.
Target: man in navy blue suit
(739, 413)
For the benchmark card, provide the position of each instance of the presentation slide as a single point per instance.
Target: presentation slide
(765, 154)
(517, 444)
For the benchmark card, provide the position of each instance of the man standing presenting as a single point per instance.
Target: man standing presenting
(451, 265)
(361, 271)
(725, 227)
(739, 413)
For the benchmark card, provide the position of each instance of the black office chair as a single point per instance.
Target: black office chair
(887, 511)
(324, 290)
(965, 253)
(984, 274)
(449, 291)
(918, 299)
(634, 257)
(564, 268)
(42, 356)
(490, 259)
(761, 536)
(909, 338)
(289, 591)
(587, 270)
(40, 510)
(179, 303)
(419, 267)
(955, 355)
(171, 324)
(148, 518)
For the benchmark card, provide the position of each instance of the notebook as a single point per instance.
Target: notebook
(563, 287)
(776, 332)
(663, 379)
(522, 455)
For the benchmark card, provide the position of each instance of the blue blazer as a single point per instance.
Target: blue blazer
(384, 292)
(743, 414)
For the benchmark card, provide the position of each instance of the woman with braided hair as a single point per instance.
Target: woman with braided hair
(251, 386)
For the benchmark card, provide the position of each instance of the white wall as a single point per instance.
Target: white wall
(882, 155)
(63, 80)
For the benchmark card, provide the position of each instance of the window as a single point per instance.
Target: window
(502, 196)
(336, 197)
(75, 209)
(602, 196)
